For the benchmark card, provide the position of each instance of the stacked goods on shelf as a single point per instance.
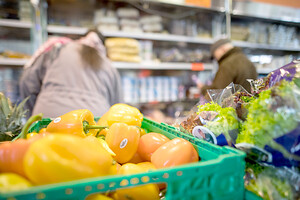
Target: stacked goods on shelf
(266, 33)
(264, 124)
(13, 54)
(152, 23)
(150, 89)
(269, 61)
(184, 55)
(129, 20)
(146, 50)
(155, 162)
(123, 49)
(106, 21)
(24, 11)
(178, 27)
(239, 32)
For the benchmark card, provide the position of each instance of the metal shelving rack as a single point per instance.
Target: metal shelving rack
(235, 10)
(126, 65)
(15, 23)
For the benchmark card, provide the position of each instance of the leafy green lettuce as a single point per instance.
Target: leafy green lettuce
(266, 184)
(225, 121)
(271, 115)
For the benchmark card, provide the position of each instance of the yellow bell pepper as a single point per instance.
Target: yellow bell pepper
(123, 140)
(98, 197)
(103, 120)
(114, 168)
(100, 142)
(145, 192)
(136, 159)
(10, 182)
(103, 132)
(42, 130)
(147, 166)
(30, 135)
(64, 157)
(143, 132)
(125, 114)
(77, 122)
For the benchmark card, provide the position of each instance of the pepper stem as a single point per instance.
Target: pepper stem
(87, 127)
(95, 127)
(27, 125)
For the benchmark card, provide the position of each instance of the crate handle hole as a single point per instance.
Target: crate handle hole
(40, 196)
(179, 173)
(124, 182)
(134, 181)
(145, 179)
(166, 175)
(112, 184)
(69, 191)
(100, 186)
(88, 188)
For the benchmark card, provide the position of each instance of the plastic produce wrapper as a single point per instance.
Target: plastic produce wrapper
(221, 124)
(234, 96)
(190, 121)
(187, 123)
(271, 133)
(218, 121)
(287, 72)
(264, 125)
(271, 183)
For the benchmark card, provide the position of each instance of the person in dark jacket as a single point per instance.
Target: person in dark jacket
(234, 67)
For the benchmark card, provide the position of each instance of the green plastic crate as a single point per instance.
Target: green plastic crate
(219, 175)
(248, 194)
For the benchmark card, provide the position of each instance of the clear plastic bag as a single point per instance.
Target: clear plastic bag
(272, 183)
(217, 122)
(287, 72)
(222, 122)
(272, 123)
(234, 96)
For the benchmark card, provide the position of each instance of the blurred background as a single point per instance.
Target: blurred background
(173, 36)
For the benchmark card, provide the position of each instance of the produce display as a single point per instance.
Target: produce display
(264, 124)
(78, 146)
(74, 146)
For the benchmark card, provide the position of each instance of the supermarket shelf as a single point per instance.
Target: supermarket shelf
(215, 5)
(143, 36)
(265, 11)
(13, 61)
(287, 20)
(159, 37)
(126, 65)
(265, 70)
(164, 66)
(66, 29)
(15, 23)
(264, 46)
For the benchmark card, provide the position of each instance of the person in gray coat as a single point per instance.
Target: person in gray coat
(65, 75)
